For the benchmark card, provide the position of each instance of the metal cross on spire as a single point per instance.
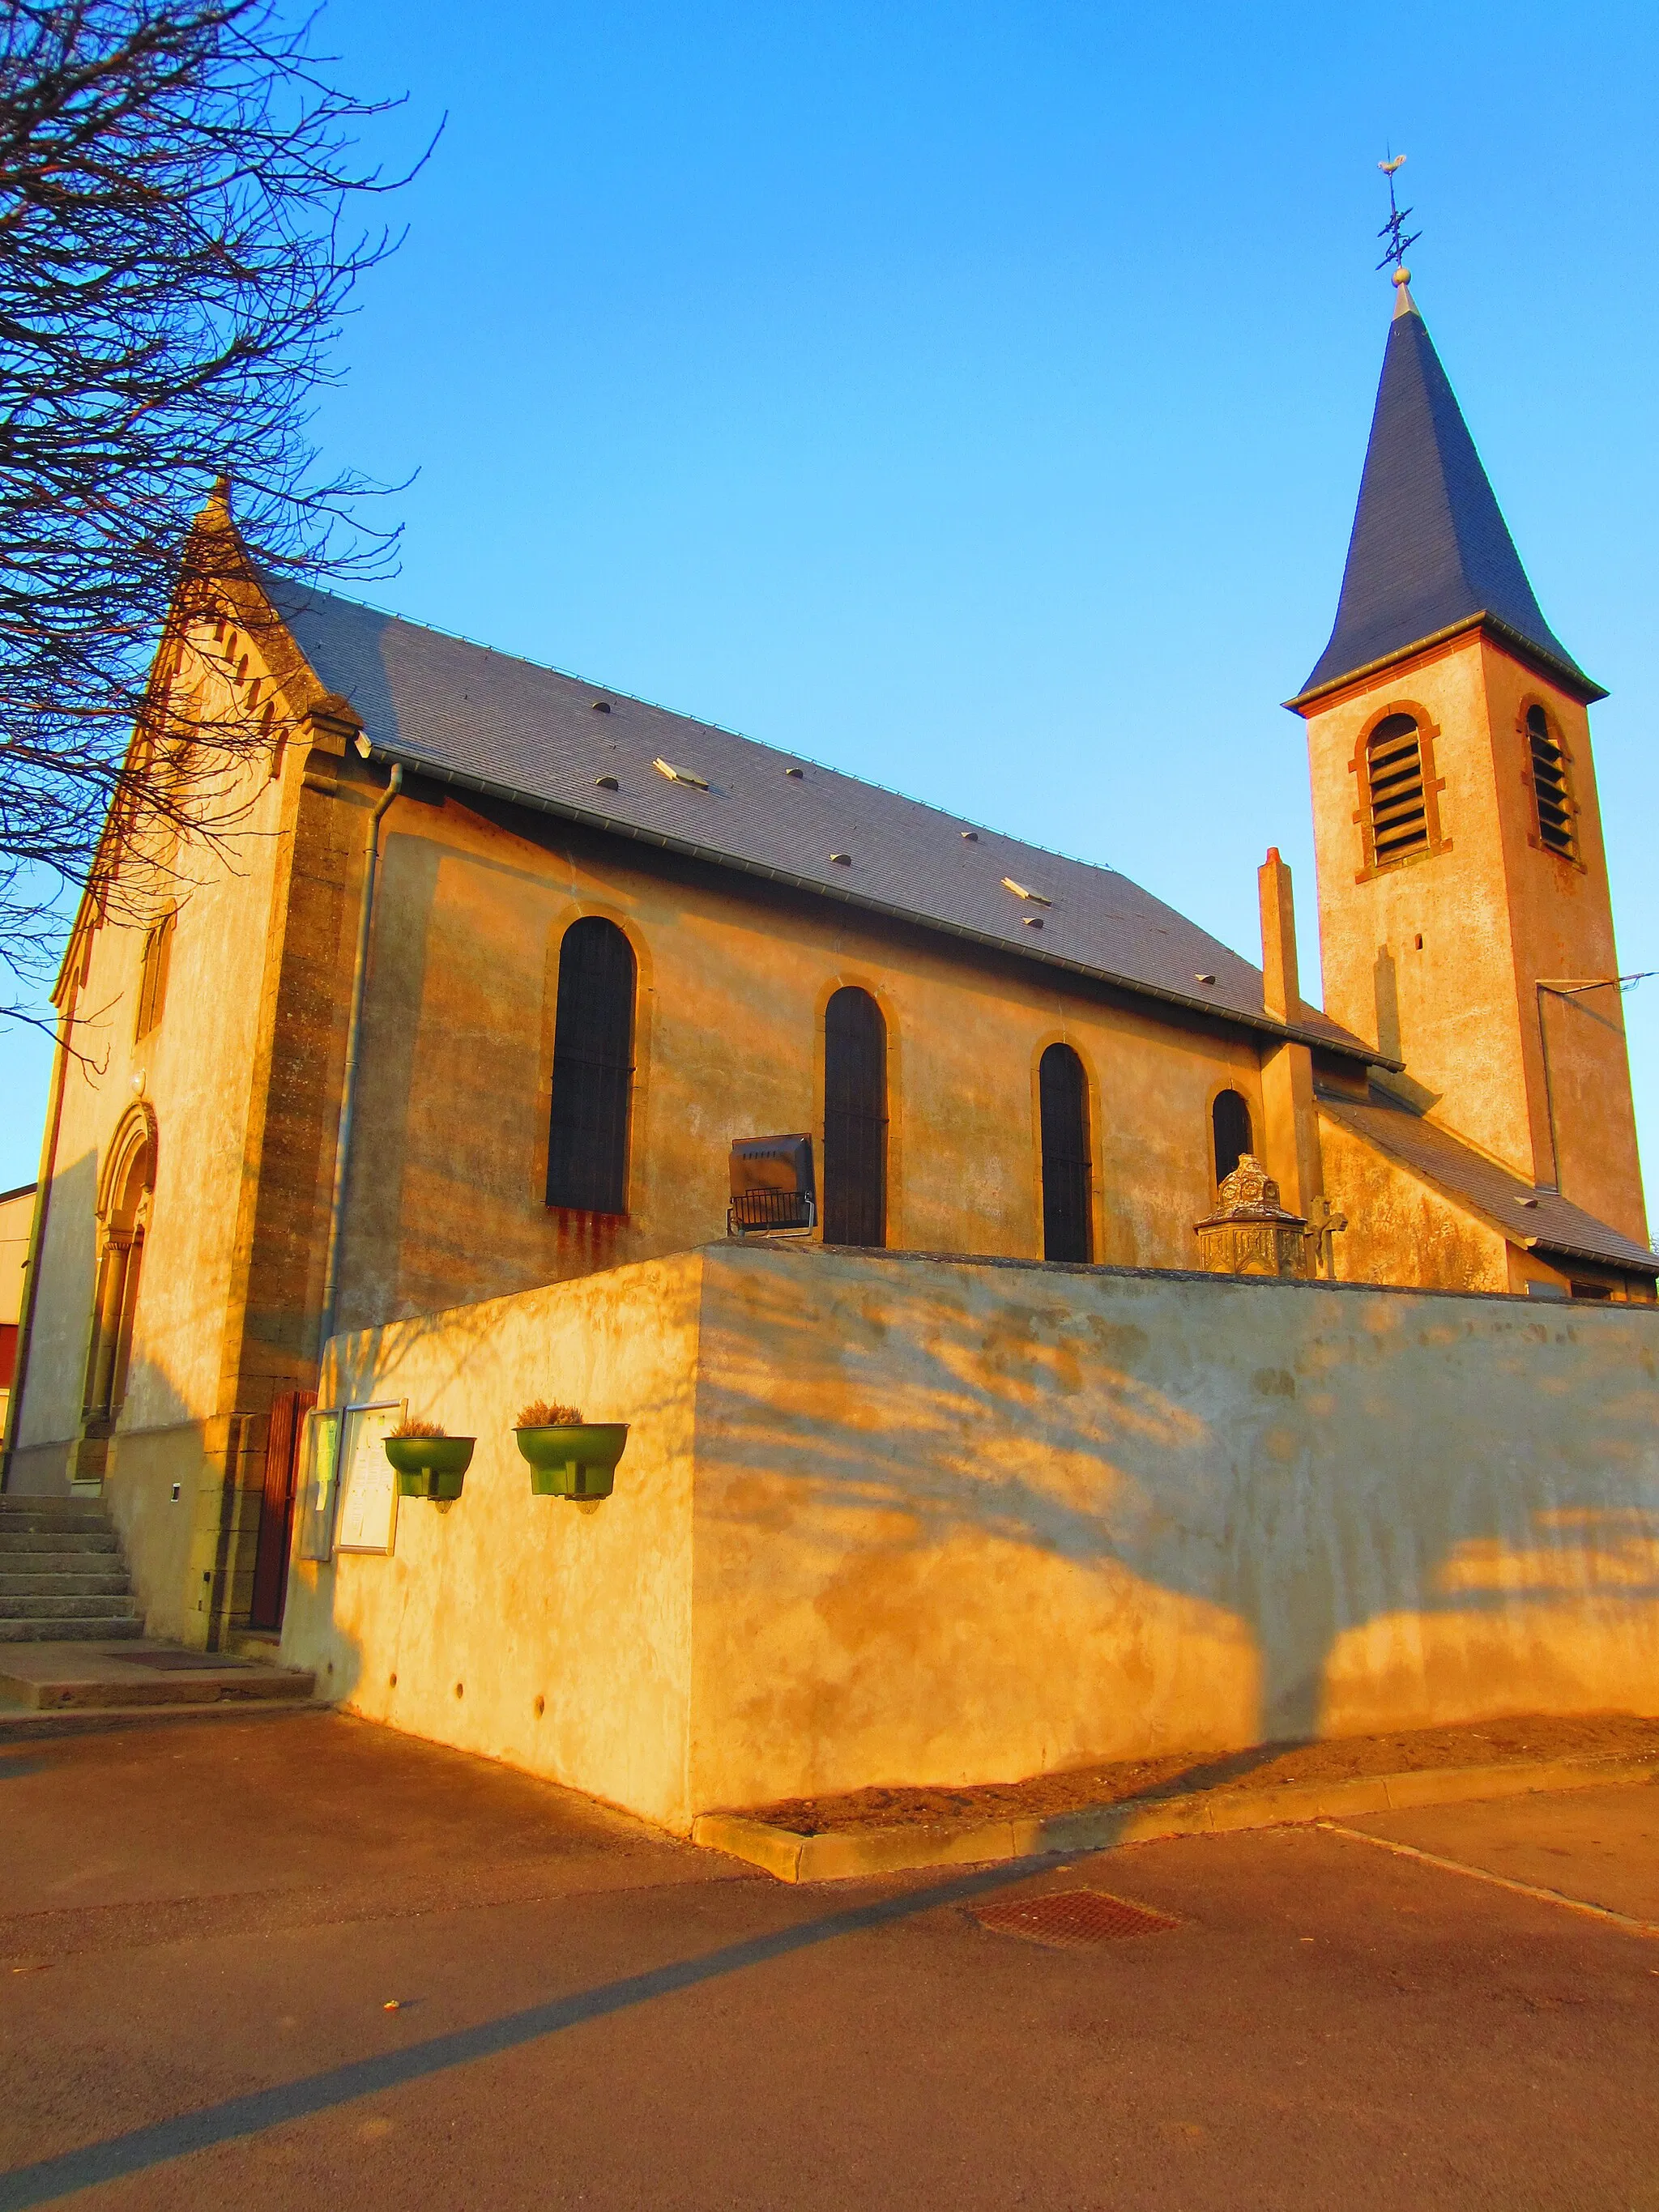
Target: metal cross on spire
(1395, 228)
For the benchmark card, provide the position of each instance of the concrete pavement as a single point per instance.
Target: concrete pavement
(210, 1923)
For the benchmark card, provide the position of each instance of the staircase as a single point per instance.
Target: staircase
(63, 1579)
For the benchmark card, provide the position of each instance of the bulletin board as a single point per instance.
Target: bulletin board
(319, 1473)
(368, 1484)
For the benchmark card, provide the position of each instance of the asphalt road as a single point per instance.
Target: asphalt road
(201, 1926)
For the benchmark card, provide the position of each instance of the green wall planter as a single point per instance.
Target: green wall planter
(434, 1468)
(579, 1462)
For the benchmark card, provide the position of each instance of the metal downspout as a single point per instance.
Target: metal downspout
(354, 1041)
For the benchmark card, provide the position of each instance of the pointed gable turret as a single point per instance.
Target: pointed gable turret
(1431, 553)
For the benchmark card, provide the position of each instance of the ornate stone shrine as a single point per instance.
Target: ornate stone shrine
(1250, 1233)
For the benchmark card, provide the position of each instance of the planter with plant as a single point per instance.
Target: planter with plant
(429, 1464)
(570, 1457)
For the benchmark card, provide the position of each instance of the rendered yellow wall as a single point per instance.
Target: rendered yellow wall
(448, 1185)
(587, 1608)
(1497, 913)
(199, 1073)
(1401, 1229)
(889, 1520)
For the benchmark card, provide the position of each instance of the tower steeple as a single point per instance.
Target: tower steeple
(1462, 874)
(1431, 553)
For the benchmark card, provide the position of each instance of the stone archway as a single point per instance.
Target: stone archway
(125, 1193)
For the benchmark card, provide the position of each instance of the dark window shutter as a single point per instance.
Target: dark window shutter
(1232, 1117)
(855, 1121)
(1063, 1104)
(592, 1069)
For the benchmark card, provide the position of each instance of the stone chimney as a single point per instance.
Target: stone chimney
(1279, 991)
(1291, 1134)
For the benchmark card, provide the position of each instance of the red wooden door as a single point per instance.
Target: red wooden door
(288, 1413)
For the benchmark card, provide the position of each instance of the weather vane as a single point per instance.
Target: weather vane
(1395, 228)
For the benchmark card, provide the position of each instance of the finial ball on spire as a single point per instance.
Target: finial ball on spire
(1402, 275)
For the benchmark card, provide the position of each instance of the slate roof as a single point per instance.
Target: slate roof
(1537, 1218)
(490, 723)
(1431, 551)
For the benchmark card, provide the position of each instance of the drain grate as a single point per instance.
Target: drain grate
(1071, 1919)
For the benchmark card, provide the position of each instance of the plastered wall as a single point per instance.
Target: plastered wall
(1438, 960)
(447, 1197)
(886, 1519)
(554, 1635)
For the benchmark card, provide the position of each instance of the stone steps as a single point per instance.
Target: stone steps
(55, 1604)
(63, 1579)
(141, 1676)
(72, 1580)
(57, 1543)
(76, 1629)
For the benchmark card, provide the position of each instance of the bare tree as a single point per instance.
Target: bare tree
(177, 247)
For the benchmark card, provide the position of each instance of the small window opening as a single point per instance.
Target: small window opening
(592, 1069)
(795, 771)
(1229, 1118)
(1549, 785)
(1067, 1174)
(152, 975)
(1394, 771)
(855, 1121)
(1582, 1290)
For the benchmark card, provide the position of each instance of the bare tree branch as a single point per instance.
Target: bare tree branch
(178, 250)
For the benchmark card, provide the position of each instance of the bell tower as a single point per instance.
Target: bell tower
(1465, 920)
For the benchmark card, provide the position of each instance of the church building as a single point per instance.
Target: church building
(507, 962)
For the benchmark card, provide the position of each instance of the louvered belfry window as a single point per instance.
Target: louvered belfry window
(1549, 784)
(1229, 1118)
(855, 1121)
(1393, 768)
(1067, 1195)
(592, 1069)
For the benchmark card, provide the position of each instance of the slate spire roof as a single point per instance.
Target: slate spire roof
(1431, 552)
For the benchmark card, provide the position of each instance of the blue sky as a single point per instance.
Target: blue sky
(974, 397)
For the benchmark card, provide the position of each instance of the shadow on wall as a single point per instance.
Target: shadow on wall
(1349, 1474)
(959, 1520)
